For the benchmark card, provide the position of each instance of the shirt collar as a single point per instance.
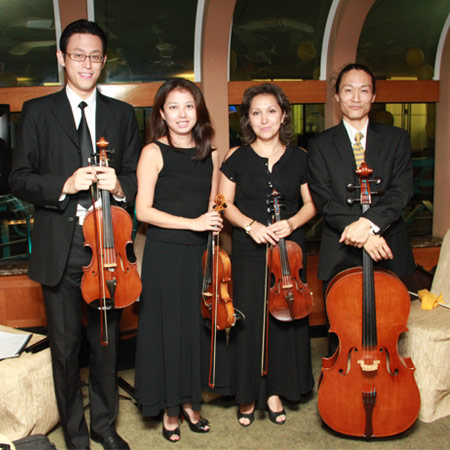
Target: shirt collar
(351, 131)
(75, 99)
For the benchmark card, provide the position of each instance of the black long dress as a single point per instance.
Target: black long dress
(289, 357)
(169, 356)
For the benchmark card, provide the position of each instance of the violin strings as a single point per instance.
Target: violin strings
(104, 321)
(216, 293)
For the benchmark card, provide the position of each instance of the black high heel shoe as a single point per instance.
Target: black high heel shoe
(273, 416)
(250, 417)
(197, 427)
(167, 434)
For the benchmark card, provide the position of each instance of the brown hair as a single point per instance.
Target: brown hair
(248, 135)
(202, 132)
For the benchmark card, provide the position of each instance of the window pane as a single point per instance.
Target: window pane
(419, 120)
(399, 38)
(274, 40)
(28, 43)
(150, 41)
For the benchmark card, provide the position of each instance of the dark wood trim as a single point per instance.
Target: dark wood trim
(420, 91)
(308, 91)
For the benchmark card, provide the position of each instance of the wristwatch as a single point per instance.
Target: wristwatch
(248, 228)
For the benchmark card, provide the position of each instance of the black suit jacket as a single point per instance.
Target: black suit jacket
(47, 153)
(331, 166)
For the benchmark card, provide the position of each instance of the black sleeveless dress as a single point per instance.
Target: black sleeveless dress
(289, 356)
(169, 349)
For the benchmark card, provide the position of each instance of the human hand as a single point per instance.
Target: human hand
(357, 233)
(209, 221)
(107, 180)
(263, 235)
(377, 248)
(80, 180)
(282, 229)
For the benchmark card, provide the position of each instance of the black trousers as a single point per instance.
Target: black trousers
(63, 305)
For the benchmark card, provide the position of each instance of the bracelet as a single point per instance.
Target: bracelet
(248, 228)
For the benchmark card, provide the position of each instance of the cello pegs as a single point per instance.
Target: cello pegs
(376, 180)
(351, 200)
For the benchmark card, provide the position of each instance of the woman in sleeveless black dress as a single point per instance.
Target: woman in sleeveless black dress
(249, 175)
(177, 183)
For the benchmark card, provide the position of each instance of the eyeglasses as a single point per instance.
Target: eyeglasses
(79, 57)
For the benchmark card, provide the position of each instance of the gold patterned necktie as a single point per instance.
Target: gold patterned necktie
(358, 149)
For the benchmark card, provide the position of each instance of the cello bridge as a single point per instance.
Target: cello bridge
(372, 367)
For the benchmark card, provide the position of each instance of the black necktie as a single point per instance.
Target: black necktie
(86, 152)
(84, 137)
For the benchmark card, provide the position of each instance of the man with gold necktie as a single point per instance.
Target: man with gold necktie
(333, 158)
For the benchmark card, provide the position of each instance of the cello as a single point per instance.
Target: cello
(111, 279)
(366, 388)
(289, 298)
(217, 304)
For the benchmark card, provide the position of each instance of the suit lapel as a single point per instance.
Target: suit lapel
(373, 145)
(103, 116)
(64, 116)
(344, 149)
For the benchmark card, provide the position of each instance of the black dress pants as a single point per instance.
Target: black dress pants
(63, 305)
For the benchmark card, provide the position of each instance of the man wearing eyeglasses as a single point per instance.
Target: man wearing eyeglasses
(55, 140)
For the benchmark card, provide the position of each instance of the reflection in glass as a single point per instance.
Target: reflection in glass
(149, 40)
(277, 40)
(27, 43)
(419, 120)
(399, 38)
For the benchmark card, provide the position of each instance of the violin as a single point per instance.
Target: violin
(366, 388)
(289, 298)
(111, 279)
(217, 304)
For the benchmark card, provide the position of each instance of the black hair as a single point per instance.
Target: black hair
(202, 132)
(82, 26)
(248, 135)
(354, 66)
